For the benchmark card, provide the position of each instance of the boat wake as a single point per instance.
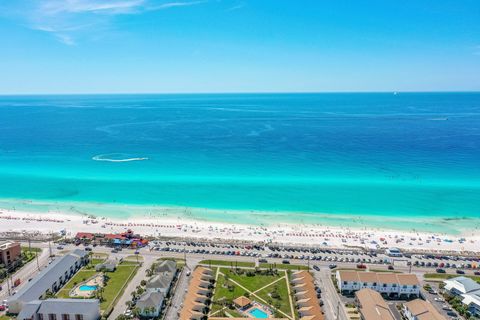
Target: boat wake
(117, 157)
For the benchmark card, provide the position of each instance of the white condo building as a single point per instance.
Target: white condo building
(468, 289)
(388, 284)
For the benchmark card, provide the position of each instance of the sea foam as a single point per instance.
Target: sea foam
(117, 157)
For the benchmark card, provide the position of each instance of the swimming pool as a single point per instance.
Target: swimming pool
(87, 288)
(259, 314)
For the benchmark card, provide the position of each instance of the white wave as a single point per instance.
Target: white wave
(111, 158)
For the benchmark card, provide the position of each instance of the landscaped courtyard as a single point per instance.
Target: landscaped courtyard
(114, 282)
(253, 292)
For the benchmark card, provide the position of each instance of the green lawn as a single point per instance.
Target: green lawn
(383, 270)
(243, 264)
(449, 276)
(222, 293)
(282, 300)
(29, 254)
(252, 284)
(114, 287)
(93, 263)
(80, 276)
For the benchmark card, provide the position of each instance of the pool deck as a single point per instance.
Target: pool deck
(95, 281)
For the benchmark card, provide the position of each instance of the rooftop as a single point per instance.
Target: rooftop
(34, 289)
(465, 284)
(423, 310)
(372, 305)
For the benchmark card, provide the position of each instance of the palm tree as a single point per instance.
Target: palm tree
(136, 311)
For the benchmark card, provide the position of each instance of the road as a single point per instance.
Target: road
(182, 285)
(333, 306)
(131, 286)
(26, 272)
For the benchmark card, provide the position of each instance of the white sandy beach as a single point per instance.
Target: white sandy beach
(305, 235)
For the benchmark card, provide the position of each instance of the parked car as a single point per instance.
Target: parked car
(391, 267)
(316, 268)
(285, 261)
(3, 308)
(460, 272)
(439, 270)
(332, 266)
(361, 266)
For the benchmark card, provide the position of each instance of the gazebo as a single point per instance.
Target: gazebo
(242, 302)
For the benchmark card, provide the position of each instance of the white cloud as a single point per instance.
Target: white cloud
(67, 19)
(53, 7)
(237, 7)
(65, 39)
(175, 4)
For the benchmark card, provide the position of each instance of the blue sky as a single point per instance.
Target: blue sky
(125, 46)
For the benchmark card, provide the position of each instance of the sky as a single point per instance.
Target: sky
(188, 46)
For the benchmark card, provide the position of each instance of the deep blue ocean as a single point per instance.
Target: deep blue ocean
(407, 160)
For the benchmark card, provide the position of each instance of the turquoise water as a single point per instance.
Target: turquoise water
(87, 288)
(367, 160)
(259, 314)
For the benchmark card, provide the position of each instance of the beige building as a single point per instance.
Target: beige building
(372, 306)
(195, 305)
(421, 310)
(9, 252)
(307, 299)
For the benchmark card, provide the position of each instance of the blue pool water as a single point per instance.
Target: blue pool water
(259, 314)
(87, 288)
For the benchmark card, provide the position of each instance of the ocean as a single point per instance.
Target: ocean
(370, 160)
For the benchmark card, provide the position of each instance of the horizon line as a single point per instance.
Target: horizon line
(233, 92)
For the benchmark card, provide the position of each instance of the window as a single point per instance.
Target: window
(345, 282)
(384, 285)
(52, 316)
(79, 317)
(374, 284)
(414, 286)
(65, 317)
(394, 285)
(40, 316)
(404, 287)
(365, 284)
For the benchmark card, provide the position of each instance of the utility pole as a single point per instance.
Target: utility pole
(338, 309)
(185, 254)
(36, 257)
(50, 246)
(8, 283)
